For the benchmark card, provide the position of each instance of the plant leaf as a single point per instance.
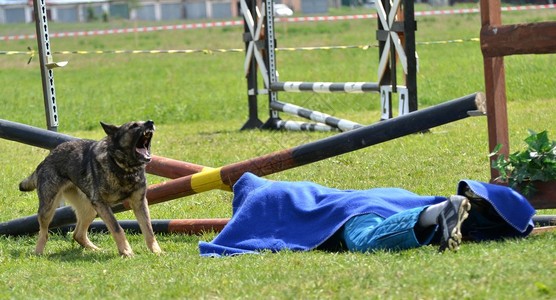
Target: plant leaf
(496, 150)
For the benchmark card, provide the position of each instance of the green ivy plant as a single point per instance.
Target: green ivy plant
(537, 162)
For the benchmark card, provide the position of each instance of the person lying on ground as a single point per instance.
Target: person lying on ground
(300, 216)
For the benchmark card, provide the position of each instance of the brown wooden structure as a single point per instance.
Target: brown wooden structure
(497, 41)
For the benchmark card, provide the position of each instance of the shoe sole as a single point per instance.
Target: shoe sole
(455, 236)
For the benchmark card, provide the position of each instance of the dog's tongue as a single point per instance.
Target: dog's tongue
(144, 152)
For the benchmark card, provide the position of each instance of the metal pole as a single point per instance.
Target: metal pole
(342, 124)
(47, 64)
(183, 226)
(385, 80)
(253, 121)
(410, 26)
(270, 60)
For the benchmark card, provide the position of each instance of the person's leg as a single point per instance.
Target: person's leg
(371, 232)
(408, 229)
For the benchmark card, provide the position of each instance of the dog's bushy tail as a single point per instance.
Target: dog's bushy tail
(28, 184)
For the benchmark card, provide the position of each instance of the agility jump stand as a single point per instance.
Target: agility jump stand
(200, 179)
(396, 36)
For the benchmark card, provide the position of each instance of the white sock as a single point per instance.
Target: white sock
(430, 214)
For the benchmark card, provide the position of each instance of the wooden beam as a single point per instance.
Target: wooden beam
(531, 38)
(497, 115)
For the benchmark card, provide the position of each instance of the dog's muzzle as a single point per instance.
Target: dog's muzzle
(143, 146)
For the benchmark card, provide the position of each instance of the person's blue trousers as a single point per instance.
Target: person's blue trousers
(370, 232)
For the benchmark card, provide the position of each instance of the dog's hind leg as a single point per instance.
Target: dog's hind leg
(85, 213)
(106, 214)
(48, 202)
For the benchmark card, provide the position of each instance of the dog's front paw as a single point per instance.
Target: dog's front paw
(126, 253)
(155, 248)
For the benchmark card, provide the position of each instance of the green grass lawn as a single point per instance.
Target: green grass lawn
(199, 103)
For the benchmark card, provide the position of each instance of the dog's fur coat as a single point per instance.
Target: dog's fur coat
(92, 176)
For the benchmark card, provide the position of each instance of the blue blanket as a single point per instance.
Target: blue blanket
(508, 215)
(277, 215)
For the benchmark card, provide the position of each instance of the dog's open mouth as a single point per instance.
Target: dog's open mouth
(143, 146)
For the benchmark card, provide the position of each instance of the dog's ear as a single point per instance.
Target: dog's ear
(108, 128)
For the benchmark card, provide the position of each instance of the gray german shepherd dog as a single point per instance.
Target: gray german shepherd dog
(92, 176)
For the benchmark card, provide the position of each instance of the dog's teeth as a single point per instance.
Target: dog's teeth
(148, 133)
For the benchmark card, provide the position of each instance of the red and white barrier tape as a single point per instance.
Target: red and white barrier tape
(128, 30)
(240, 22)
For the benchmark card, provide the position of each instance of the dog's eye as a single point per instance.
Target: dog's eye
(134, 125)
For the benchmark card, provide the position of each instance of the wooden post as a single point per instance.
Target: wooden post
(495, 86)
(498, 41)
